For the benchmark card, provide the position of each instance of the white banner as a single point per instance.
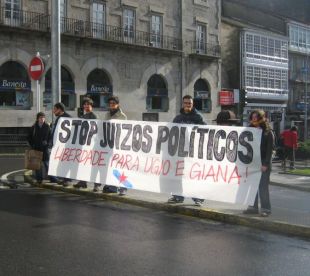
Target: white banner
(212, 162)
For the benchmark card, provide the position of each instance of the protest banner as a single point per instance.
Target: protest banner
(212, 162)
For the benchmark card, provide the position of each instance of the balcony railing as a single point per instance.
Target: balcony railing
(24, 19)
(81, 28)
(112, 33)
(207, 49)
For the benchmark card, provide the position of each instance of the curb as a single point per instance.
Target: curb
(277, 227)
(292, 187)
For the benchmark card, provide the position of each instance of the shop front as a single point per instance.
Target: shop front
(15, 87)
(99, 88)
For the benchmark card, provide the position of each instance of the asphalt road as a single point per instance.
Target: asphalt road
(50, 233)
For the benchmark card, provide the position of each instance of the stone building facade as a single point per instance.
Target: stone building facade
(149, 53)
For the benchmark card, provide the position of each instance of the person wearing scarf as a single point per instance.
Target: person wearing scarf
(258, 120)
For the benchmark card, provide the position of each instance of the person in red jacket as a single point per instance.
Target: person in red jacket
(289, 138)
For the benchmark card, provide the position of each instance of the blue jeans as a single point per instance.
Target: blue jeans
(263, 191)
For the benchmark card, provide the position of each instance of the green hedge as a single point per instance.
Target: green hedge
(303, 150)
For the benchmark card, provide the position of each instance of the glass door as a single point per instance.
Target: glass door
(156, 31)
(98, 20)
(63, 15)
(201, 39)
(129, 25)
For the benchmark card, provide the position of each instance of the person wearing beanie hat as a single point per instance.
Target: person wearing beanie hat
(226, 118)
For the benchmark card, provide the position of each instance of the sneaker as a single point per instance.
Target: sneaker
(80, 184)
(176, 199)
(96, 187)
(122, 191)
(250, 211)
(265, 213)
(198, 201)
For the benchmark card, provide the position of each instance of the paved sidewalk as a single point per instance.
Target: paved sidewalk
(280, 178)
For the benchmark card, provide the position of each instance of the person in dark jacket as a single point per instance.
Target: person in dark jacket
(38, 140)
(59, 111)
(88, 113)
(258, 120)
(188, 115)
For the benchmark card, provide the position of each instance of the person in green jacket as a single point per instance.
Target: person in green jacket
(115, 113)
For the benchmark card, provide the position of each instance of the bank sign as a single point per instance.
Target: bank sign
(14, 84)
(97, 88)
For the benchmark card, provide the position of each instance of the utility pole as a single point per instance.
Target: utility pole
(56, 52)
(306, 101)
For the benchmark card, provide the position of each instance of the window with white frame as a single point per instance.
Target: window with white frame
(270, 78)
(249, 76)
(256, 44)
(262, 47)
(249, 43)
(256, 76)
(156, 30)
(271, 47)
(299, 37)
(266, 78)
(98, 15)
(12, 12)
(129, 24)
(201, 38)
(284, 77)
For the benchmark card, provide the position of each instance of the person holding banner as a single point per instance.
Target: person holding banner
(59, 111)
(88, 113)
(258, 120)
(38, 140)
(115, 113)
(188, 115)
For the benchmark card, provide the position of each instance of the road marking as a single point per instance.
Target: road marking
(4, 178)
